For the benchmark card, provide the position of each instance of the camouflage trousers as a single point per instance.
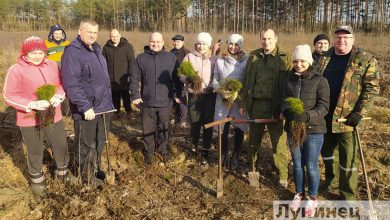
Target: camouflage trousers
(281, 156)
(341, 159)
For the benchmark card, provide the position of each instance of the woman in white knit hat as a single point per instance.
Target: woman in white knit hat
(312, 89)
(230, 66)
(201, 104)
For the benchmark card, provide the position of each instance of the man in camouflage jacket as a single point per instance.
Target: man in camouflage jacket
(262, 95)
(353, 77)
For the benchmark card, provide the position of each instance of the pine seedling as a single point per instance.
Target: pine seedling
(298, 129)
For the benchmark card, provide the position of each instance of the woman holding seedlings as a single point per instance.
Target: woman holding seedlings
(201, 102)
(228, 72)
(32, 86)
(306, 105)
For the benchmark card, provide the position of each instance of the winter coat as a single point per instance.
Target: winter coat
(180, 53)
(204, 65)
(156, 73)
(360, 84)
(228, 67)
(119, 60)
(21, 83)
(313, 89)
(55, 51)
(276, 68)
(85, 78)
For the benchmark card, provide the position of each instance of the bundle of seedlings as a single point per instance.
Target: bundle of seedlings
(298, 128)
(46, 117)
(229, 91)
(192, 78)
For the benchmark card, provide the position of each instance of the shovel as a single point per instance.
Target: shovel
(253, 176)
(219, 177)
(111, 175)
(371, 212)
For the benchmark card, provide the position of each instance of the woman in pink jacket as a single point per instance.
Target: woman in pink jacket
(201, 106)
(31, 71)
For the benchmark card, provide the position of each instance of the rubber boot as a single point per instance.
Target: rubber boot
(39, 189)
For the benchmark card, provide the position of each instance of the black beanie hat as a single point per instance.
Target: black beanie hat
(321, 37)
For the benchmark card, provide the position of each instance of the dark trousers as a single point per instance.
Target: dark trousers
(116, 100)
(238, 140)
(55, 136)
(90, 139)
(201, 108)
(155, 122)
(181, 110)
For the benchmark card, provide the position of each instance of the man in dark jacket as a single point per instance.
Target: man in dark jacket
(152, 85)
(87, 85)
(180, 108)
(119, 54)
(321, 45)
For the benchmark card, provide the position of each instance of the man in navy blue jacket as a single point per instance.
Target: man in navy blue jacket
(87, 85)
(153, 84)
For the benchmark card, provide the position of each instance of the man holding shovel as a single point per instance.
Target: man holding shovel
(353, 77)
(87, 85)
(262, 96)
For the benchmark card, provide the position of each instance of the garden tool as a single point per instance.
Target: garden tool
(254, 176)
(219, 123)
(371, 212)
(111, 175)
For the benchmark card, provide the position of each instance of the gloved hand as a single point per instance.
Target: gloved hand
(137, 101)
(89, 114)
(56, 100)
(303, 117)
(353, 119)
(38, 105)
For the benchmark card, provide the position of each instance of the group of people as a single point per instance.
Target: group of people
(336, 83)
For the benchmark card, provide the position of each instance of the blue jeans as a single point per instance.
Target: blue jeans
(307, 156)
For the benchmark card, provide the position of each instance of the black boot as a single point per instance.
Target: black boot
(238, 140)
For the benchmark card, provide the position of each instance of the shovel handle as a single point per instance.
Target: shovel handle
(256, 121)
(219, 122)
(344, 119)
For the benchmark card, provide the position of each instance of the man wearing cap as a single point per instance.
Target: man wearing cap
(87, 85)
(321, 45)
(119, 54)
(262, 97)
(179, 50)
(180, 108)
(153, 84)
(353, 78)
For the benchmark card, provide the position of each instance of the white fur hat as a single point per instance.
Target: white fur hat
(302, 52)
(236, 39)
(205, 38)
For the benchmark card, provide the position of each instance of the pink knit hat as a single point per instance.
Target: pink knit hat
(33, 43)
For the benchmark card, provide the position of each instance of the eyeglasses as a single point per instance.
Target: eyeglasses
(344, 37)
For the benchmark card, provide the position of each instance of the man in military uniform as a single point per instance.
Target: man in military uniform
(353, 77)
(262, 96)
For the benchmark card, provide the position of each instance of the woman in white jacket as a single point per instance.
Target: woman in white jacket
(230, 66)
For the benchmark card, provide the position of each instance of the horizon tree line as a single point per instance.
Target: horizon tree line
(237, 16)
